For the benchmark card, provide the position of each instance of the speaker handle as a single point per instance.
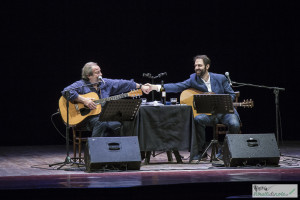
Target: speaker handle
(114, 146)
(252, 142)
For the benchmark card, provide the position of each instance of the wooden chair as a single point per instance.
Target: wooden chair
(80, 136)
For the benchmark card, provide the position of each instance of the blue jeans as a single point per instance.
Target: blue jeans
(103, 129)
(201, 121)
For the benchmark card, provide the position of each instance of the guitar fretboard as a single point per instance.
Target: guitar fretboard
(120, 96)
(237, 104)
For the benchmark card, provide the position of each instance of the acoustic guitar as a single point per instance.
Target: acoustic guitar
(78, 111)
(187, 97)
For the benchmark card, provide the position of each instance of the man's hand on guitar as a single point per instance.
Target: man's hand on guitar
(89, 102)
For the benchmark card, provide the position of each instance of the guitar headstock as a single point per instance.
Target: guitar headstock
(247, 103)
(135, 93)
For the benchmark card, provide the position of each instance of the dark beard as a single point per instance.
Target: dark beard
(201, 74)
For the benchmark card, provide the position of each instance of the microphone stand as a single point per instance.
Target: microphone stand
(152, 82)
(68, 160)
(276, 92)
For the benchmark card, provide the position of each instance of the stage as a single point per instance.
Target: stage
(25, 173)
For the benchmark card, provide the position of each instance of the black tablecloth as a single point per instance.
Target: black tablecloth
(161, 128)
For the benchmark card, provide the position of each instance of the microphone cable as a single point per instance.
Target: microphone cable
(56, 113)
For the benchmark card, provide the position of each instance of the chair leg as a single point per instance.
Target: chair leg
(79, 150)
(74, 144)
(79, 147)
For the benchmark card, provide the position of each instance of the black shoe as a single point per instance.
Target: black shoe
(198, 157)
(195, 159)
(218, 163)
(220, 154)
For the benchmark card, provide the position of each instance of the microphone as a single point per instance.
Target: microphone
(227, 75)
(147, 75)
(162, 74)
(101, 80)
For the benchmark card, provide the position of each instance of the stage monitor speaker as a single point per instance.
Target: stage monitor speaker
(112, 153)
(250, 149)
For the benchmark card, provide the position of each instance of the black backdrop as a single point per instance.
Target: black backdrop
(45, 44)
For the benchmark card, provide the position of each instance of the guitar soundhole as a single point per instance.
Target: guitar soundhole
(84, 111)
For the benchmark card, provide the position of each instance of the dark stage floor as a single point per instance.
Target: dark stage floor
(25, 171)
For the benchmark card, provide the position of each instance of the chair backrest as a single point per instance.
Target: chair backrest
(237, 95)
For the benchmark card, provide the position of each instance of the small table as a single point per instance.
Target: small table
(164, 128)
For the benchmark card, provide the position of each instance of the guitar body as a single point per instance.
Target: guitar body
(187, 97)
(77, 111)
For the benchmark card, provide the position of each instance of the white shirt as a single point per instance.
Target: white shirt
(208, 85)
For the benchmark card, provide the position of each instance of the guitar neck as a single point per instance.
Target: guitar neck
(245, 104)
(120, 96)
(237, 104)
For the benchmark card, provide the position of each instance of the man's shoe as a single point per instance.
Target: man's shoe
(194, 161)
(218, 163)
(204, 156)
(220, 154)
(196, 158)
